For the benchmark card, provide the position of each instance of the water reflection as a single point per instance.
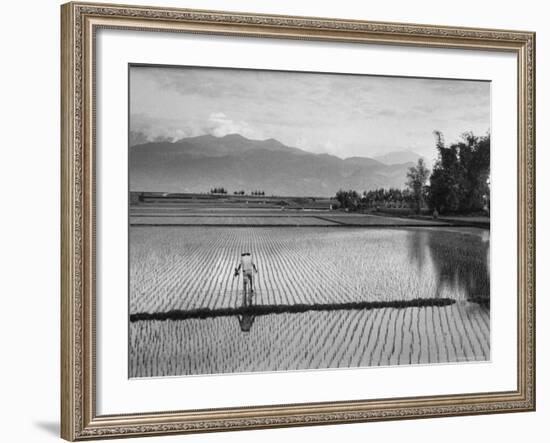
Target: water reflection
(417, 248)
(460, 260)
(246, 320)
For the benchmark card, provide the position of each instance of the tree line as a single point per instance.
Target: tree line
(458, 183)
(218, 191)
(223, 191)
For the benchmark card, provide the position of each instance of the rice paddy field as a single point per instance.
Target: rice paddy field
(181, 275)
(233, 220)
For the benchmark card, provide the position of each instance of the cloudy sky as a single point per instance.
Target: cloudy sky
(343, 115)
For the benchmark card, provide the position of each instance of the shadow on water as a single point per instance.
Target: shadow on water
(460, 261)
(247, 314)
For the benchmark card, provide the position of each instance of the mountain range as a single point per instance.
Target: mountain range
(197, 164)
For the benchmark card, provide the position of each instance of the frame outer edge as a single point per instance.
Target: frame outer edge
(534, 196)
(526, 222)
(78, 420)
(532, 271)
(67, 428)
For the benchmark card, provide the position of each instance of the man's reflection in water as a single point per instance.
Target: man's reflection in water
(246, 320)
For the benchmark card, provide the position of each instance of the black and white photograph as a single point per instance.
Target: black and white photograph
(283, 220)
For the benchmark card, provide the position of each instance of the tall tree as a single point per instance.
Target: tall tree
(460, 178)
(474, 158)
(417, 177)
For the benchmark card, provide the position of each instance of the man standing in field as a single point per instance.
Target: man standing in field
(247, 266)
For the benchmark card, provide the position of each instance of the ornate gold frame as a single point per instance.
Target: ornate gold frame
(79, 22)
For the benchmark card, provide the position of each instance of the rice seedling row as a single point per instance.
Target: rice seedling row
(195, 269)
(191, 268)
(226, 220)
(287, 342)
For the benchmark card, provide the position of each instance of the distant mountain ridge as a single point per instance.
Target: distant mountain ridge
(197, 164)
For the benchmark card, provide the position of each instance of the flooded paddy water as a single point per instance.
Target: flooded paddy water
(326, 297)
